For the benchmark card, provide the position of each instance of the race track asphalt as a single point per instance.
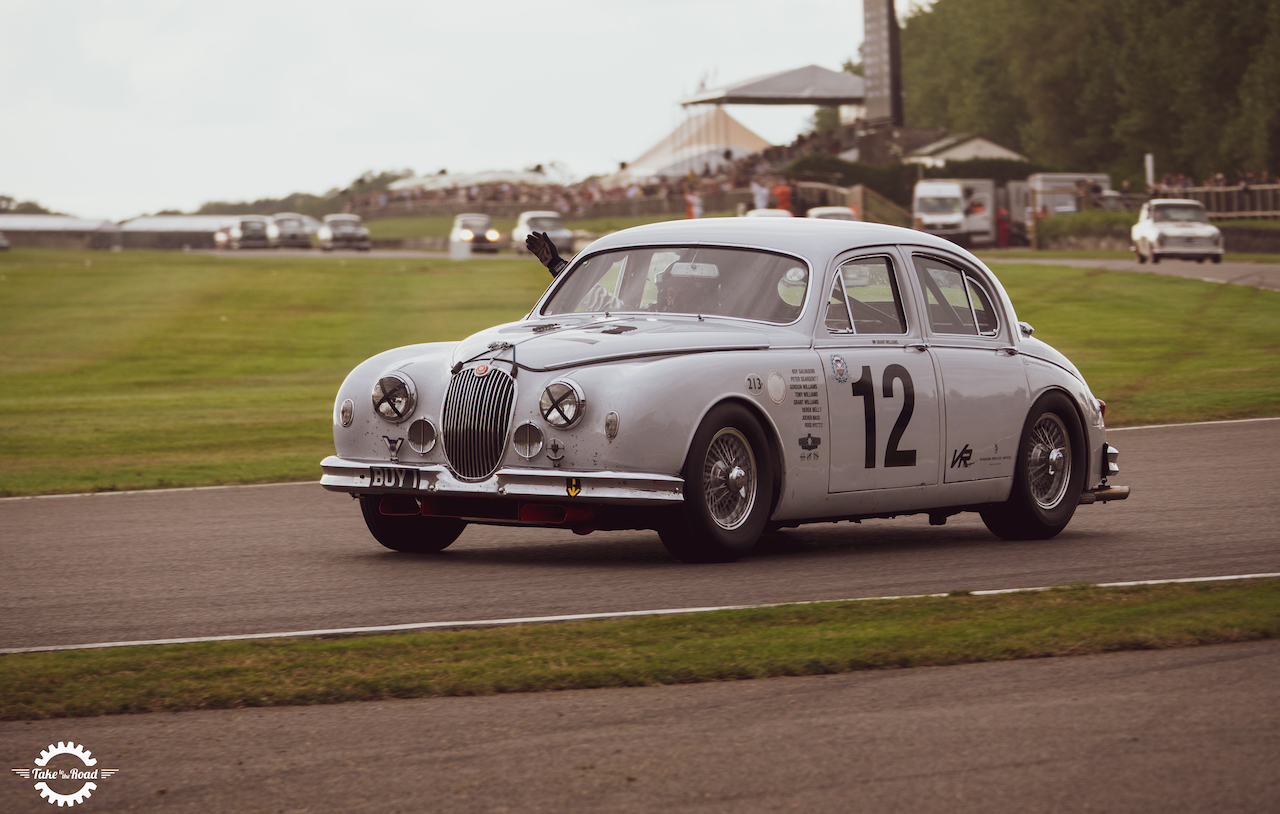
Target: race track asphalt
(264, 559)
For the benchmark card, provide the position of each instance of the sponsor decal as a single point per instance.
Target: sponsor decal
(65, 775)
(961, 457)
(394, 447)
(777, 387)
(481, 369)
(574, 487)
(809, 442)
(839, 368)
(755, 385)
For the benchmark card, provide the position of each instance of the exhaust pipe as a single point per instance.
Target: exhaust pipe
(1103, 494)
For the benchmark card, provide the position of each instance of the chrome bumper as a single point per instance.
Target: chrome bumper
(618, 488)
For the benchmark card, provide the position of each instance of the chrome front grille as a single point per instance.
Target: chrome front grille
(477, 414)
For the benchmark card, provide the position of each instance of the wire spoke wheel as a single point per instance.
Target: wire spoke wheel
(1048, 461)
(729, 478)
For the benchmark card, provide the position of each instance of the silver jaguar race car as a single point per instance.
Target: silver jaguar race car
(716, 379)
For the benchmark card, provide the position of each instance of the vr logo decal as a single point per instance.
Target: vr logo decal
(962, 457)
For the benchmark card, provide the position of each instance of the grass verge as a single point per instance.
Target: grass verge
(138, 370)
(792, 640)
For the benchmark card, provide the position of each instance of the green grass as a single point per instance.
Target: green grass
(1257, 223)
(119, 371)
(146, 369)
(1157, 349)
(791, 640)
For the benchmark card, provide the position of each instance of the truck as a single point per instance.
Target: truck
(959, 209)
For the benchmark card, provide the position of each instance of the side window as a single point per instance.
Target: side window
(865, 296)
(956, 301)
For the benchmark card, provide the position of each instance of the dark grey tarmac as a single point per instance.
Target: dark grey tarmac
(1192, 730)
(269, 559)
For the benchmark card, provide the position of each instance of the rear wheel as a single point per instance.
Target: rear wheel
(414, 534)
(728, 488)
(1048, 476)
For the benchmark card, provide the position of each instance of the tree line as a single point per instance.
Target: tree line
(1092, 85)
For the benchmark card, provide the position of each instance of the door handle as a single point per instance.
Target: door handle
(1009, 351)
(920, 346)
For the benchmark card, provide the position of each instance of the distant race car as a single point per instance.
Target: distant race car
(832, 213)
(1174, 227)
(247, 232)
(713, 379)
(768, 213)
(292, 230)
(550, 222)
(477, 230)
(343, 232)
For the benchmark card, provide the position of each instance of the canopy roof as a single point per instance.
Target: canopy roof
(178, 223)
(810, 85)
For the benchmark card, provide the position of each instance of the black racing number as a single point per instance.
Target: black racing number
(892, 455)
(865, 388)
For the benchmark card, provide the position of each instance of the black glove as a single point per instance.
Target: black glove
(541, 247)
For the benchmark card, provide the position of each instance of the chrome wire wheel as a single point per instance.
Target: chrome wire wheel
(729, 479)
(1049, 461)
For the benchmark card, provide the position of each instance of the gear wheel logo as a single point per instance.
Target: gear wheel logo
(43, 773)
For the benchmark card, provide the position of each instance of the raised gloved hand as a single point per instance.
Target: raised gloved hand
(541, 247)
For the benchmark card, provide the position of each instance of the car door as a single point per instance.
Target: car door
(985, 391)
(882, 401)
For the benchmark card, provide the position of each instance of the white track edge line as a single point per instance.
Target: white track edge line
(580, 617)
(313, 482)
(1193, 424)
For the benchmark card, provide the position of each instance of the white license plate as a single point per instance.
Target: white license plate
(394, 477)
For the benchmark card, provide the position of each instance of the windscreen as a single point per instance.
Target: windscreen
(545, 224)
(741, 283)
(1180, 213)
(938, 206)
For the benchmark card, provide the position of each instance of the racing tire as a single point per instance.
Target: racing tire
(1048, 475)
(1155, 258)
(1139, 256)
(1217, 258)
(728, 490)
(412, 534)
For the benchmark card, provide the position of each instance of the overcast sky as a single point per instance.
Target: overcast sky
(133, 106)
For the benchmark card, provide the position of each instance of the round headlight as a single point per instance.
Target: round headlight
(393, 397)
(492, 234)
(527, 440)
(347, 413)
(422, 436)
(562, 404)
(466, 234)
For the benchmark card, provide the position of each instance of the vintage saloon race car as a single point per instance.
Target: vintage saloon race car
(715, 379)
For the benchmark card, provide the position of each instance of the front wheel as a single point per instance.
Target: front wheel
(413, 534)
(728, 490)
(1048, 476)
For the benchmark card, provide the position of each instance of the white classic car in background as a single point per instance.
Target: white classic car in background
(547, 221)
(343, 232)
(714, 379)
(1174, 227)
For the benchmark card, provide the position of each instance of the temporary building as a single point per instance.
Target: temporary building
(698, 143)
(59, 231)
(174, 231)
(960, 147)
